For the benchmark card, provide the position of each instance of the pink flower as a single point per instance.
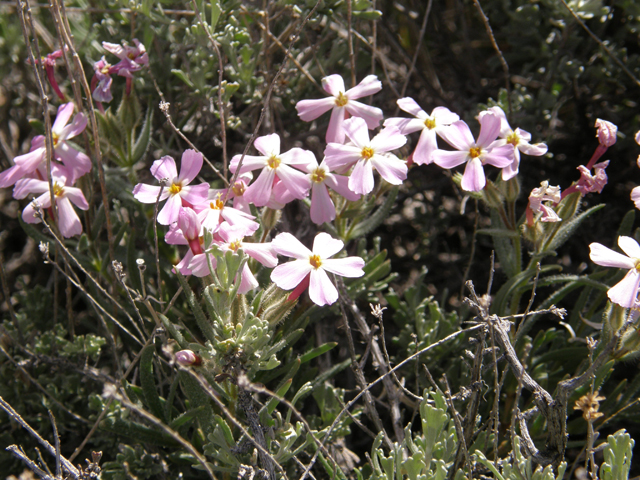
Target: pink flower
(101, 81)
(49, 63)
(274, 164)
(474, 154)
(176, 189)
(518, 138)
(592, 183)
(624, 293)
(322, 207)
(68, 220)
(212, 212)
(312, 266)
(544, 193)
(343, 103)
(428, 125)
(607, 133)
(132, 59)
(77, 162)
(367, 154)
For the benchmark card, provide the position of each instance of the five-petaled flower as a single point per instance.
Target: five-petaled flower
(176, 188)
(623, 293)
(367, 154)
(428, 125)
(274, 164)
(64, 193)
(77, 162)
(342, 103)
(474, 154)
(518, 138)
(310, 267)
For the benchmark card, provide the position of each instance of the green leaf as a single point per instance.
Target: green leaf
(148, 383)
(372, 221)
(142, 143)
(203, 322)
(316, 352)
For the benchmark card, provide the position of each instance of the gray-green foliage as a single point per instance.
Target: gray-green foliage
(422, 456)
(617, 456)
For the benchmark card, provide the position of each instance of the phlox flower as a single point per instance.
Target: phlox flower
(49, 63)
(592, 183)
(237, 191)
(101, 81)
(311, 267)
(76, 162)
(342, 103)
(544, 193)
(274, 164)
(428, 126)
(367, 155)
(518, 138)
(474, 154)
(322, 207)
(132, 59)
(65, 194)
(623, 293)
(213, 212)
(176, 190)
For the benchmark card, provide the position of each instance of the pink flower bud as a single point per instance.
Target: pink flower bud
(606, 132)
(189, 224)
(187, 358)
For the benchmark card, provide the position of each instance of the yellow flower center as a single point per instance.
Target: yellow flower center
(217, 204)
(58, 190)
(430, 123)
(318, 175)
(513, 139)
(55, 137)
(273, 162)
(637, 261)
(239, 189)
(105, 69)
(367, 153)
(235, 245)
(475, 152)
(175, 188)
(132, 56)
(341, 100)
(315, 261)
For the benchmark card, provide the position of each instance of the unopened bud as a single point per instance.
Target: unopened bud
(187, 358)
(606, 132)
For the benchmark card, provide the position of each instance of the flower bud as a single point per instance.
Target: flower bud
(187, 358)
(606, 132)
(189, 224)
(638, 137)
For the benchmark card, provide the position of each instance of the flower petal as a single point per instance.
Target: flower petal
(68, 220)
(288, 275)
(427, 144)
(345, 267)
(289, 246)
(356, 130)
(62, 118)
(335, 130)
(268, 145)
(409, 105)
(259, 191)
(148, 193)
(601, 255)
(190, 166)
(368, 86)
(164, 168)
(333, 84)
(458, 135)
(473, 179)
(625, 292)
(629, 246)
(371, 115)
(322, 207)
(321, 290)
(388, 139)
(170, 211)
(447, 159)
(311, 109)
(326, 246)
(361, 178)
(390, 167)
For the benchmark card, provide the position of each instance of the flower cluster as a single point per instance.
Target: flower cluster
(29, 173)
